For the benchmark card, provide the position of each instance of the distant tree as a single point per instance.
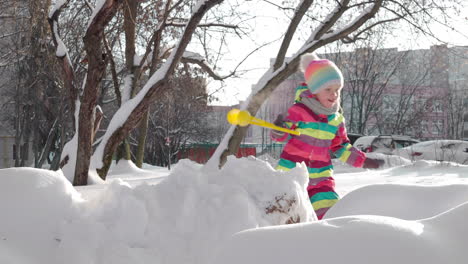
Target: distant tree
(33, 107)
(403, 110)
(458, 95)
(368, 73)
(177, 118)
(455, 113)
(382, 87)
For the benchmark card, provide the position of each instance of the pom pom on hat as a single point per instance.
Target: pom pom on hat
(306, 59)
(320, 74)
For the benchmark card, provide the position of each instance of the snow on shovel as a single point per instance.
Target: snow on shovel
(243, 118)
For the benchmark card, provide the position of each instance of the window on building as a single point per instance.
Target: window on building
(409, 130)
(437, 106)
(390, 102)
(424, 129)
(420, 104)
(437, 127)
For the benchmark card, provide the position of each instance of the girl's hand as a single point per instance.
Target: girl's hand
(373, 163)
(279, 120)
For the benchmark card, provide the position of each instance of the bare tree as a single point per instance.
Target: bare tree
(404, 109)
(179, 19)
(345, 20)
(86, 103)
(381, 88)
(368, 73)
(455, 113)
(177, 117)
(31, 93)
(458, 95)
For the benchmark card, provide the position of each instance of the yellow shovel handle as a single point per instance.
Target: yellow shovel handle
(243, 118)
(263, 123)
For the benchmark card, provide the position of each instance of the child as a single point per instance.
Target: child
(315, 114)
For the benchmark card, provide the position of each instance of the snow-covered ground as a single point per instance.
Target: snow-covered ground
(403, 213)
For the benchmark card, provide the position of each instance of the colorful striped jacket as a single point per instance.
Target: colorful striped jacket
(321, 136)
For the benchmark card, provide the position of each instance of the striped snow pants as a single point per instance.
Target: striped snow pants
(322, 198)
(321, 188)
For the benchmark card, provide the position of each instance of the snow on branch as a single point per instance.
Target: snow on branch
(103, 12)
(330, 20)
(182, 24)
(96, 9)
(179, 50)
(195, 58)
(57, 7)
(325, 38)
(143, 61)
(62, 53)
(54, 15)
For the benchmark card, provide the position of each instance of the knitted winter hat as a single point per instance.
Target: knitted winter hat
(320, 74)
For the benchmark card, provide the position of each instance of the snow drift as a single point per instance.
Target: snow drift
(183, 219)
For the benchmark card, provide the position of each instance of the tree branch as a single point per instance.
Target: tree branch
(298, 15)
(62, 55)
(332, 19)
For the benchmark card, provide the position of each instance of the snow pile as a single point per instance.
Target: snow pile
(409, 202)
(389, 162)
(355, 239)
(183, 219)
(125, 167)
(33, 204)
(199, 214)
(418, 218)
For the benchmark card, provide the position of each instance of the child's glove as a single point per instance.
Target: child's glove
(278, 122)
(373, 163)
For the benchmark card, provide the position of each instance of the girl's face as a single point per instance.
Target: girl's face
(329, 96)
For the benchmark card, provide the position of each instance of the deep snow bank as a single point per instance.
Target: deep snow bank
(183, 219)
(355, 239)
(369, 228)
(33, 205)
(410, 202)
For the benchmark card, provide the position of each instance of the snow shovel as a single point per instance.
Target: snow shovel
(243, 118)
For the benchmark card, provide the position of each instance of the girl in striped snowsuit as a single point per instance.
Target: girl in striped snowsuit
(315, 115)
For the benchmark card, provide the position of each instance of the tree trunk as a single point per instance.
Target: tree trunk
(130, 15)
(96, 68)
(143, 129)
(85, 131)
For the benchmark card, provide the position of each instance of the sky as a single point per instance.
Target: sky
(406, 212)
(268, 27)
